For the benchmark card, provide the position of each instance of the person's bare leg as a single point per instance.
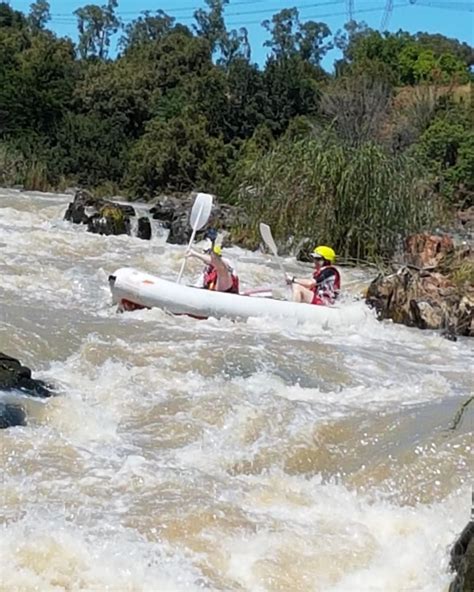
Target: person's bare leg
(301, 294)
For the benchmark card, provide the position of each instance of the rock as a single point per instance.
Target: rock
(424, 300)
(165, 209)
(174, 212)
(101, 216)
(15, 376)
(11, 415)
(425, 250)
(144, 228)
(462, 561)
(466, 217)
(111, 219)
(432, 291)
(304, 249)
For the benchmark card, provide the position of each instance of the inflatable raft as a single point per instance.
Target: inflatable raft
(132, 289)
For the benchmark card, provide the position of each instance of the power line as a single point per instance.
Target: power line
(194, 7)
(328, 15)
(70, 19)
(460, 6)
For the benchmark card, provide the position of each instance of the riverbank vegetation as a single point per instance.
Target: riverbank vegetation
(381, 147)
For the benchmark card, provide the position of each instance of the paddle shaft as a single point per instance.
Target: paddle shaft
(193, 234)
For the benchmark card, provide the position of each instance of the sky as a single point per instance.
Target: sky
(449, 17)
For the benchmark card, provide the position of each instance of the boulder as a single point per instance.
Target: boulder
(15, 376)
(102, 216)
(144, 228)
(108, 217)
(426, 250)
(423, 293)
(173, 213)
(11, 415)
(462, 561)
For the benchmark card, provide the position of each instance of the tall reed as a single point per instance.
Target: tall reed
(362, 201)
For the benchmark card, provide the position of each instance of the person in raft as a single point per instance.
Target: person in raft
(323, 288)
(218, 274)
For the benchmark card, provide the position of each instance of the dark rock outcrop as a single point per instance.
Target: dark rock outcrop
(15, 376)
(422, 293)
(174, 212)
(101, 216)
(144, 228)
(11, 415)
(107, 217)
(462, 561)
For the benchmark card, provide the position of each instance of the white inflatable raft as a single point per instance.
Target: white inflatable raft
(132, 288)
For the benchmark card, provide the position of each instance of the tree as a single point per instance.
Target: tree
(227, 45)
(146, 29)
(11, 18)
(290, 37)
(39, 15)
(96, 25)
(291, 89)
(356, 107)
(447, 149)
(178, 155)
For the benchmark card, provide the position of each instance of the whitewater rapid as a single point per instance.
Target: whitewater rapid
(184, 455)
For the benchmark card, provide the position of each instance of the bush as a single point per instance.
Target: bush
(361, 201)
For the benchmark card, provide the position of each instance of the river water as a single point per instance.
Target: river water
(185, 455)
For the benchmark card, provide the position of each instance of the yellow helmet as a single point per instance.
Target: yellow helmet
(324, 252)
(217, 250)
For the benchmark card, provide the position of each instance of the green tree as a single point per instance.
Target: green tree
(96, 25)
(10, 18)
(290, 37)
(39, 15)
(146, 29)
(227, 45)
(292, 89)
(177, 154)
(446, 148)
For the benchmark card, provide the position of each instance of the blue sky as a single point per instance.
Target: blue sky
(448, 17)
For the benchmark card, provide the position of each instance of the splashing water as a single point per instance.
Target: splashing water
(187, 455)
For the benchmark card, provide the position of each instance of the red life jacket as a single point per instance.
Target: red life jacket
(210, 280)
(327, 289)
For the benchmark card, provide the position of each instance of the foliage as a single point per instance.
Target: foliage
(359, 200)
(176, 154)
(183, 108)
(446, 148)
(39, 15)
(290, 37)
(403, 58)
(96, 26)
(356, 107)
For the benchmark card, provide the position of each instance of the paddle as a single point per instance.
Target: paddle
(266, 234)
(199, 216)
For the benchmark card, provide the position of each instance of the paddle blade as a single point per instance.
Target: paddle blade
(267, 237)
(201, 210)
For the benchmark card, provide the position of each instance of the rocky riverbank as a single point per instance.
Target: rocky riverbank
(433, 287)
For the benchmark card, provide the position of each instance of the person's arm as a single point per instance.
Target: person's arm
(308, 283)
(201, 256)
